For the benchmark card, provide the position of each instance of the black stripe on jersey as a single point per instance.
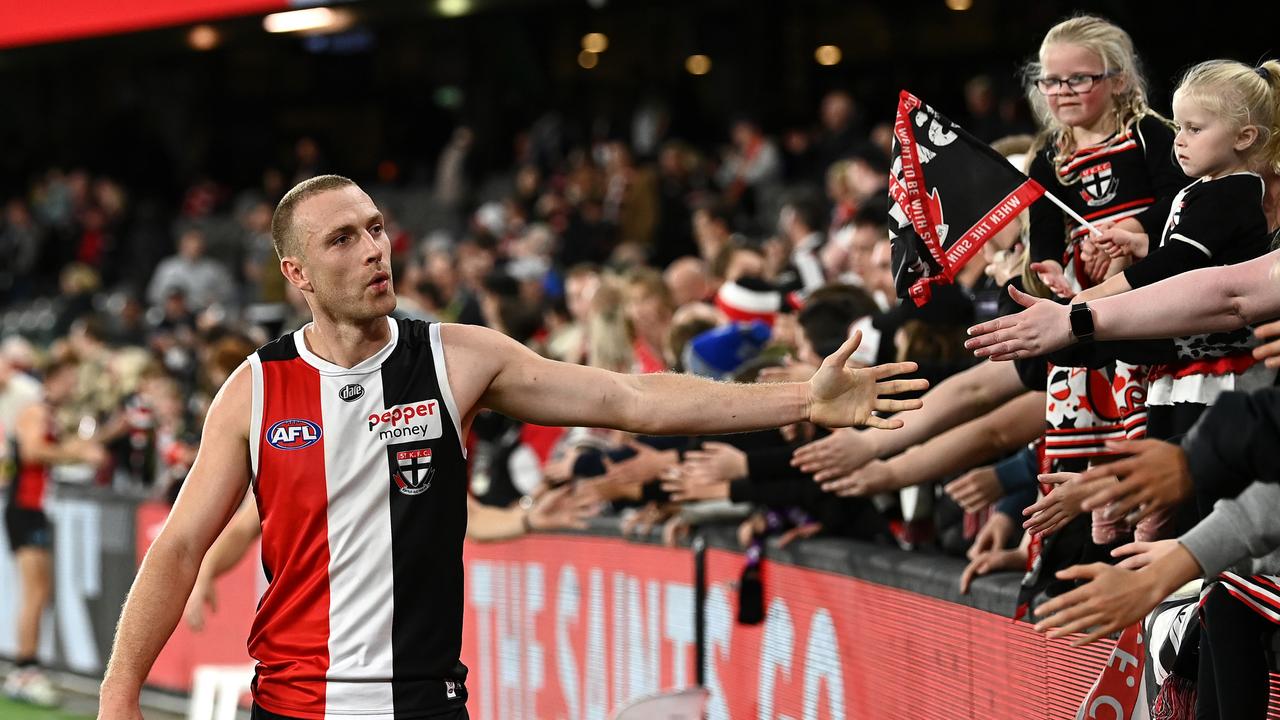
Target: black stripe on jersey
(282, 348)
(427, 530)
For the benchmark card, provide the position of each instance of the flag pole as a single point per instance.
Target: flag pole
(1072, 213)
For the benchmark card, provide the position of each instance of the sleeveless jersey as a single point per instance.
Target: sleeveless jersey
(31, 481)
(360, 479)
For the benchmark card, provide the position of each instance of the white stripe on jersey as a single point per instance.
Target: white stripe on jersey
(360, 566)
(255, 415)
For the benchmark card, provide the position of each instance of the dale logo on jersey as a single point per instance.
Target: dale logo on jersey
(411, 468)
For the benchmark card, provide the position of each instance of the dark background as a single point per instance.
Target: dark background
(158, 115)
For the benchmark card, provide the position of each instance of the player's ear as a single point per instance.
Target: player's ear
(293, 271)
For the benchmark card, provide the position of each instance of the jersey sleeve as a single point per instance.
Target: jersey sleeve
(1166, 177)
(1174, 258)
(1207, 223)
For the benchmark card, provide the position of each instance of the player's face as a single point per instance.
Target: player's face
(1205, 144)
(1069, 107)
(346, 254)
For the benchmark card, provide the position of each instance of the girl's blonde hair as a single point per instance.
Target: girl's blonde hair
(1119, 60)
(608, 342)
(1242, 96)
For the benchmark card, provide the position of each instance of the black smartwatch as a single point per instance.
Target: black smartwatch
(1082, 322)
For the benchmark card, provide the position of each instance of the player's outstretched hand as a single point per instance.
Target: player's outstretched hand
(843, 396)
(1042, 328)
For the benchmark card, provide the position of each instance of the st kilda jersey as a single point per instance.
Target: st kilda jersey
(1211, 222)
(1130, 175)
(360, 481)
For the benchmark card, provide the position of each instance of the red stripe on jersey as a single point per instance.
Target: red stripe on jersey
(1118, 208)
(31, 481)
(290, 635)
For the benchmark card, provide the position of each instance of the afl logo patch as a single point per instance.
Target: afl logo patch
(351, 392)
(293, 434)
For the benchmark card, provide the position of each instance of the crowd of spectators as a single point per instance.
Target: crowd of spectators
(748, 262)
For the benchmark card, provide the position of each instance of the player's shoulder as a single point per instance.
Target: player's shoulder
(282, 348)
(414, 331)
(471, 337)
(483, 350)
(233, 404)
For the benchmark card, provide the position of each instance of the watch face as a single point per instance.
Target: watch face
(1081, 321)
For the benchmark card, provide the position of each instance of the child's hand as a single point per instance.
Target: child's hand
(1051, 274)
(1095, 260)
(1118, 242)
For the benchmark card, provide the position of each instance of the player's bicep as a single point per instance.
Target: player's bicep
(532, 388)
(220, 475)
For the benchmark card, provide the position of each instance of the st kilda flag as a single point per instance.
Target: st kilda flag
(948, 194)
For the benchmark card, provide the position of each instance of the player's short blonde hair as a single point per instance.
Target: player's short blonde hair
(283, 236)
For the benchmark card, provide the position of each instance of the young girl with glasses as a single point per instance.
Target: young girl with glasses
(1107, 156)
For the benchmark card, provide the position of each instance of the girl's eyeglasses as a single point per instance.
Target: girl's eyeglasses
(1078, 83)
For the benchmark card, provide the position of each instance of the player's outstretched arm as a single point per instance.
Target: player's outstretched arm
(211, 493)
(1209, 300)
(489, 369)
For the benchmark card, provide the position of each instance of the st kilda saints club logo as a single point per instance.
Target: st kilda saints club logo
(1097, 185)
(411, 468)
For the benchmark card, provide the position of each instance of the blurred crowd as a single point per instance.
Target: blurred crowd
(747, 261)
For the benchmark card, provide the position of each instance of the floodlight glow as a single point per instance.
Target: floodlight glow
(309, 19)
(698, 64)
(828, 55)
(453, 8)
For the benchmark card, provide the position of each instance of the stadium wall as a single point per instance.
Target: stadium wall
(574, 625)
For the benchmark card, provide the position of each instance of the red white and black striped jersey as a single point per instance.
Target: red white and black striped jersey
(360, 479)
(30, 484)
(1131, 174)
